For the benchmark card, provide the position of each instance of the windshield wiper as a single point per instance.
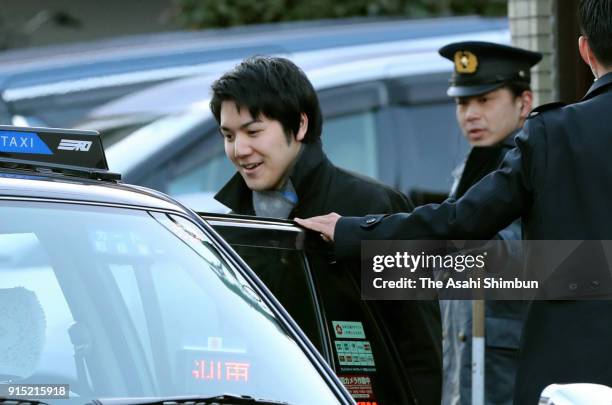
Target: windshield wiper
(224, 399)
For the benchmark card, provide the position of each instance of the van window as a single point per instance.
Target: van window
(350, 142)
(209, 176)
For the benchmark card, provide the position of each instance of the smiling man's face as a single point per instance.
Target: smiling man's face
(258, 147)
(487, 119)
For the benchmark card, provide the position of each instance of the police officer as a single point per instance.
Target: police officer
(558, 180)
(491, 88)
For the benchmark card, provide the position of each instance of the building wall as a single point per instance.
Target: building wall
(532, 27)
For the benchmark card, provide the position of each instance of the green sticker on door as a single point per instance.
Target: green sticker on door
(351, 353)
(348, 330)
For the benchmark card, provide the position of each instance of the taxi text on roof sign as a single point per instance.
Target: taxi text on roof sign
(64, 147)
(22, 142)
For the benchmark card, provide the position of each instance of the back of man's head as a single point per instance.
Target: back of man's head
(274, 87)
(595, 18)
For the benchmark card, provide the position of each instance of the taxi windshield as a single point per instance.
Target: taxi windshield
(119, 302)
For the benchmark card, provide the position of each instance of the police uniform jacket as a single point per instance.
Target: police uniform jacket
(559, 181)
(503, 319)
(321, 187)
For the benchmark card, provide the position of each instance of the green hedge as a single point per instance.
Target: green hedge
(225, 13)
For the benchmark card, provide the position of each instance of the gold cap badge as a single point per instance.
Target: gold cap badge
(465, 62)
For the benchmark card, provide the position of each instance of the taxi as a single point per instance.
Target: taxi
(112, 293)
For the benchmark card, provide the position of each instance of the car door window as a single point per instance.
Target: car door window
(284, 273)
(274, 257)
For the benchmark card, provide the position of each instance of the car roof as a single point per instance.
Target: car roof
(26, 185)
(34, 72)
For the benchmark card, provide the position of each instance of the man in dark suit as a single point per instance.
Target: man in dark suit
(269, 115)
(559, 182)
(491, 87)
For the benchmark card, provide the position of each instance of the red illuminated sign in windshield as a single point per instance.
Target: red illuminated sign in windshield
(221, 370)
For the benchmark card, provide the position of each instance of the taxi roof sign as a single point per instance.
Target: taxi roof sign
(77, 152)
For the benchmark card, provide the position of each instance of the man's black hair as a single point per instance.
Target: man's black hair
(273, 87)
(595, 19)
(517, 87)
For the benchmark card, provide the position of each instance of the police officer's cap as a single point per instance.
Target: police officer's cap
(481, 67)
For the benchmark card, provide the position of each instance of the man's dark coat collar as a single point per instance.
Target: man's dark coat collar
(602, 84)
(481, 161)
(236, 196)
(239, 198)
(508, 141)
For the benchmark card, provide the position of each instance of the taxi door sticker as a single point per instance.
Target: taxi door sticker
(354, 354)
(359, 386)
(348, 330)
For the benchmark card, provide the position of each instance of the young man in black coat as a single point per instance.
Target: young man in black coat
(269, 115)
(559, 182)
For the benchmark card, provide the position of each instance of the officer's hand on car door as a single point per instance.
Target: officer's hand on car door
(324, 224)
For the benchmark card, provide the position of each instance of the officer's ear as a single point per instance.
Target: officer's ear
(587, 55)
(526, 103)
(585, 50)
(303, 127)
